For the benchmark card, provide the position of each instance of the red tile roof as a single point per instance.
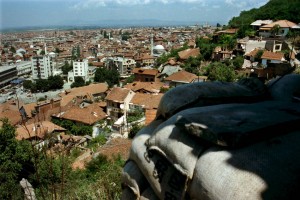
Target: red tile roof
(272, 55)
(39, 130)
(118, 94)
(185, 54)
(148, 101)
(153, 87)
(87, 115)
(145, 71)
(182, 76)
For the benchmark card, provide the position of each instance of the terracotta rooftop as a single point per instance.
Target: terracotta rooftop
(185, 54)
(148, 101)
(281, 23)
(145, 71)
(182, 76)
(153, 87)
(253, 52)
(118, 94)
(272, 55)
(39, 130)
(87, 115)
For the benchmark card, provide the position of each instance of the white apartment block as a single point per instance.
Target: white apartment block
(80, 69)
(24, 68)
(41, 67)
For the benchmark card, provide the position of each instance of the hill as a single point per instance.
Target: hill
(274, 9)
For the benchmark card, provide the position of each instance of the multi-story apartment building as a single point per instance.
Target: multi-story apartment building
(41, 67)
(123, 65)
(7, 74)
(80, 69)
(23, 68)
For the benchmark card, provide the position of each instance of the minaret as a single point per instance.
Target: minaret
(45, 48)
(151, 44)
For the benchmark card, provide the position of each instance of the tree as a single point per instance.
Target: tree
(275, 30)
(55, 82)
(15, 157)
(78, 82)
(42, 52)
(42, 85)
(130, 79)
(27, 84)
(238, 62)
(111, 77)
(12, 49)
(220, 72)
(66, 67)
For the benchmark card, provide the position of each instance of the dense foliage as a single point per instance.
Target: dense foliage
(50, 171)
(78, 82)
(111, 77)
(73, 128)
(44, 85)
(274, 9)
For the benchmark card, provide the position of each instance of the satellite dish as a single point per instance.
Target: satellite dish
(122, 106)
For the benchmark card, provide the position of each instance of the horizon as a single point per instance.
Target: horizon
(18, 14)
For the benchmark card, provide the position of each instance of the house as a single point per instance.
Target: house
(90, 92)
(183, 77)
(38, 133)
(89, 114)
(41, 110)
(185, 54)
(146, 103)
(118, 102)
(145, 59)
(145, 87)
(221, 53)
(258, 23)
(145, 75)
(271, 57)
(284, 27)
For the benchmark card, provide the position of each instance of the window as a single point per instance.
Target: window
(277, 47)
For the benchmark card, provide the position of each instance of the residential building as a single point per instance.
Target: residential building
(81, 69)
(7, 74)
(41, 67)
(284, 27)
(183, 77)
(118, 102)
(145, 75)
(271, 57)
(24, 68)
(123, 65)
(185, 54)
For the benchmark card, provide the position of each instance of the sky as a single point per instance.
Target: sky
(22, 13)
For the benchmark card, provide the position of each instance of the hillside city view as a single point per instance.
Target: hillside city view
(104, 99)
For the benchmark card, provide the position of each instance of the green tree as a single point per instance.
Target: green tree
(27, 84)
(258, 55)
(42, 52)
(42, 85)
(78, 82)
(220, 72)
(111, 77)
(129, 79)
(238, 62)
(67, 67)
(55, 82)
(15, 157)
(12, 49)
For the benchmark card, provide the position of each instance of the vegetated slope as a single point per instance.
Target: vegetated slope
(274, 9)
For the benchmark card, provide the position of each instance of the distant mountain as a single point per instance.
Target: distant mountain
(274, 9)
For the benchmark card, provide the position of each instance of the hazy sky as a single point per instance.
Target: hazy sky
(18, 13)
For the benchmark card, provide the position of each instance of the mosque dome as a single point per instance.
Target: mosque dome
(158, 47)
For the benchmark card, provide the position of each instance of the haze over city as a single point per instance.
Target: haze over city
(31, 13)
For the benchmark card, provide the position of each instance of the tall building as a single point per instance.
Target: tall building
(41, 67)
(80, 69)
